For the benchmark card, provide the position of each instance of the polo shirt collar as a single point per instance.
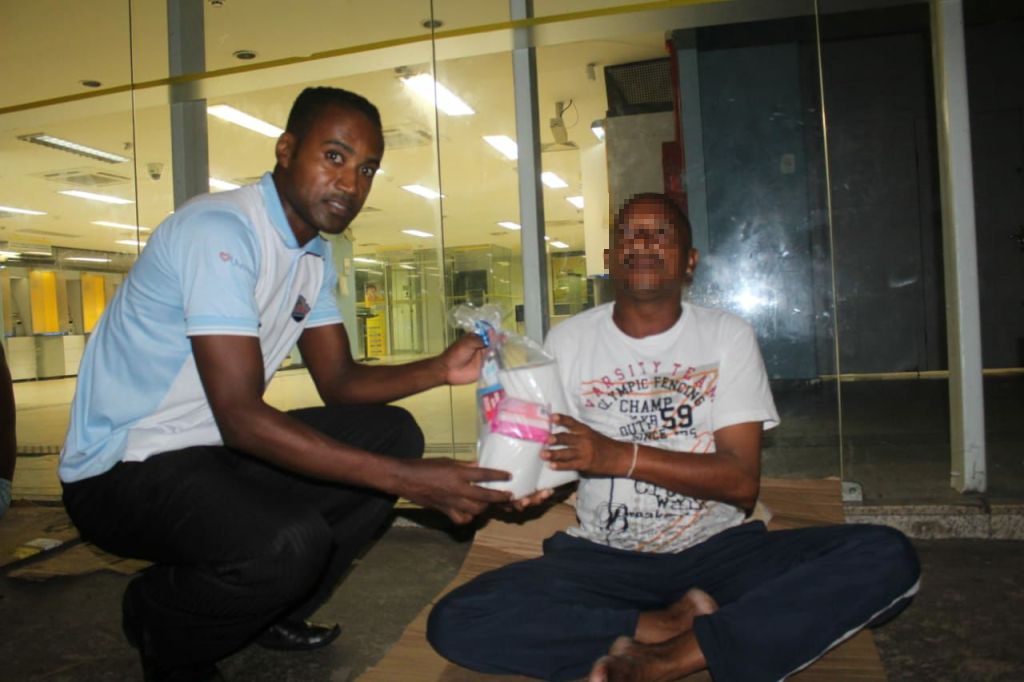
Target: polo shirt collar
(280, 222)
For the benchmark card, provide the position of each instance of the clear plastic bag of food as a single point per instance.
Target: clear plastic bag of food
(514, 367)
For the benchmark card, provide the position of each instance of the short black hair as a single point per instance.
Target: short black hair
(312, 101)
(673, 212)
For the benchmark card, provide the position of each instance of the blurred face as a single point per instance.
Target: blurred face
(650, 255)
(324, 178)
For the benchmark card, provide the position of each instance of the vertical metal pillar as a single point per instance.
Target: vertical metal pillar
(966, 396)
(531, 198)
(186, 50)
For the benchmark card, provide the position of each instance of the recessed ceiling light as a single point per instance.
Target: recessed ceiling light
(73, 147)
(552, 180)
(10, 254)
(575, 201)
(120, 226)
(559, 244)
(240, 118)
(245, 55)
(87, 259)
(431, 23)
(130, 242)
(509, 225)
(22, 211)
(360, 259)
(222, 184)
(432, 92)
(504, 144)
(418, 233)
(422, 191)
(92, 196)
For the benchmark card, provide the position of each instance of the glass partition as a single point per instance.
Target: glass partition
(995, 50)
(810, 181)
(720, 107)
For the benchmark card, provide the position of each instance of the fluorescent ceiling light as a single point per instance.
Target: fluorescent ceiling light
(559, 244)
(23, 211)
(120, 226)
(360, 259)
(425, 87)
(509, 225)
(87, 259)
(9, 254)
(418, 233)
(597, 127)
(552, 180)
(575, 201)
(222, 184)
(422, 191)
(130, 242)
(73, 147)
(504, 144)
(240, 118)
(105, 198)
(406, 266)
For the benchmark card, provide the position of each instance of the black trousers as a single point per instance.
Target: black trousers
(237, 544)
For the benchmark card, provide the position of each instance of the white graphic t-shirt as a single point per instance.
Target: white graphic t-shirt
(671, 391)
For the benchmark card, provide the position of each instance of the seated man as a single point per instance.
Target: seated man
(8, 439)
(669, 401)
(251, 515)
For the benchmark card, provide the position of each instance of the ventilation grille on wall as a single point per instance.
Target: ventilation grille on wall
(84, 177)
(639, 87)
(403, 138)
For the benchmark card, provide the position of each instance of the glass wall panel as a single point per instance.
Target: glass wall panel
(995, 51)
(69, 207)
(887, 229)
(719, 106)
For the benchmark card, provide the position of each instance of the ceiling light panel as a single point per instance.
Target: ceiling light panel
(425, 87)
(92, 196)
(504, 144)
(20, 211)
(422, 191)
(552, 180)
(418, 233)
(120, 226)
(576, 201)
(240, 118)
(73, 147)
(223, 185)
(509, 225)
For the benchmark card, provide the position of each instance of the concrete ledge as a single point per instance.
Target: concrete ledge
(934, 522)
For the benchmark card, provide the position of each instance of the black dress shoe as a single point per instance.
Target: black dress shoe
(298, 636)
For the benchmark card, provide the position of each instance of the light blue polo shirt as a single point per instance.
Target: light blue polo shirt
(224, 263)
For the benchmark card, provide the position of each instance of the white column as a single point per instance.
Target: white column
(963, 324)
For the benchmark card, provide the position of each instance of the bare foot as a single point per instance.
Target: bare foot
(658, 626)
(631, 661)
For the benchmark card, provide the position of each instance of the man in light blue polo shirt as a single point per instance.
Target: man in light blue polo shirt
(250, 514)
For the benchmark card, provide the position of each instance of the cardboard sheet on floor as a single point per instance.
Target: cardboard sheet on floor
(26, 530)
(80, 559)
(788, 503)
(45, 540)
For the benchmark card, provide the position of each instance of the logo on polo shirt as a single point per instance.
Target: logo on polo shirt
(301, 309)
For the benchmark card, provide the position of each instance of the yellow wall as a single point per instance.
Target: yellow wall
(43, 293)
(94, 300)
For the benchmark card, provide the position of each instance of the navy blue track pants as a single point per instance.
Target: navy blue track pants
(785, 597)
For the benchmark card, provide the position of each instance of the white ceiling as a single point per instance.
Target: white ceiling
(48, 46)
